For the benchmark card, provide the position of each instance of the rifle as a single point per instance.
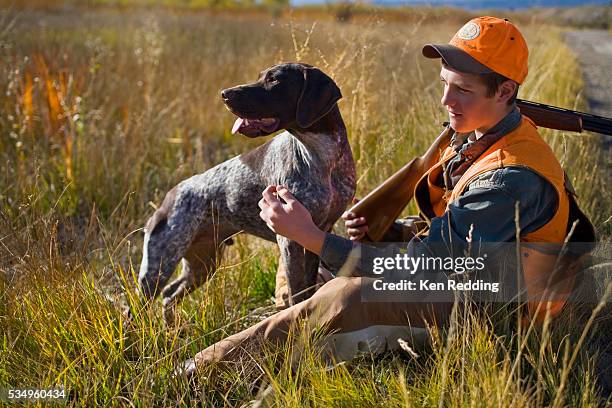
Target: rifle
(383, 205)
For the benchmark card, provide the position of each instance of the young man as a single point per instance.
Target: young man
(495, 167)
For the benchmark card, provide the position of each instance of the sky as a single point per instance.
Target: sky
(476, 4)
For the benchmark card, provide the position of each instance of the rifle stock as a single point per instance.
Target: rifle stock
(383, 205)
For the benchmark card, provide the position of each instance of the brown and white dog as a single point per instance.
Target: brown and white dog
(312, 157)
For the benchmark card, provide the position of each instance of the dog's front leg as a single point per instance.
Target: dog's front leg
(281, 291)
(311, 271)
(292, 264)
(300, 267)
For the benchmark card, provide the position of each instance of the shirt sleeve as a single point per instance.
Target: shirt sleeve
(487, 208)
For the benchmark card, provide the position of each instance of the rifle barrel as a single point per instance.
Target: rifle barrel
(597, 124)
(564, 119)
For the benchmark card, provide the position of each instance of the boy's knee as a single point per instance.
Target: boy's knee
(337, 298)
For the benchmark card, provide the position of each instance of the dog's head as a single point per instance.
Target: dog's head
(285, 96)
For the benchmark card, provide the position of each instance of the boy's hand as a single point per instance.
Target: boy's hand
(356, 227)
(286, 216)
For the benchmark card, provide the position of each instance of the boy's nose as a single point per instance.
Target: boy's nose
(448, 98)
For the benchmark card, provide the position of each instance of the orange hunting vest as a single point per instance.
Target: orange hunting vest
(523, 147)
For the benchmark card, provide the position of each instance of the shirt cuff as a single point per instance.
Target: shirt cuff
(335, 252)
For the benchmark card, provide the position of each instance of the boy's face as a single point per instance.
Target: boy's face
(465, 99)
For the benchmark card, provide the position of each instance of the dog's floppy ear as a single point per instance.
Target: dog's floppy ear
(319, 95)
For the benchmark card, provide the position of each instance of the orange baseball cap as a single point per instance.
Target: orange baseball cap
(484, 45)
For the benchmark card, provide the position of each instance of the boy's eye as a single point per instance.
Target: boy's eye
(463, 90)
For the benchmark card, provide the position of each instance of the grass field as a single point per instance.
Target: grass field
(104, 111)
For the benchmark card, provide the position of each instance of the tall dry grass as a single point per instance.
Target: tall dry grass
(102, 112)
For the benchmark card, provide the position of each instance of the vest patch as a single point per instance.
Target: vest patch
(482, 184)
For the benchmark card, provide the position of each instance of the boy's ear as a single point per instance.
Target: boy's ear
(506, 90)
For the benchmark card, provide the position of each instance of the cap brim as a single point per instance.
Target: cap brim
(456, 58)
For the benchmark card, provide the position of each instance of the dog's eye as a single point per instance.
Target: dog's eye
(270, 78)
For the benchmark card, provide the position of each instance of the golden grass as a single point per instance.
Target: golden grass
(103, 113)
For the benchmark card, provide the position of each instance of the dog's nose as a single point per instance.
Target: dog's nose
(230, 93)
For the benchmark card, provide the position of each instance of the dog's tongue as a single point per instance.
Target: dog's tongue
(237, 125)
